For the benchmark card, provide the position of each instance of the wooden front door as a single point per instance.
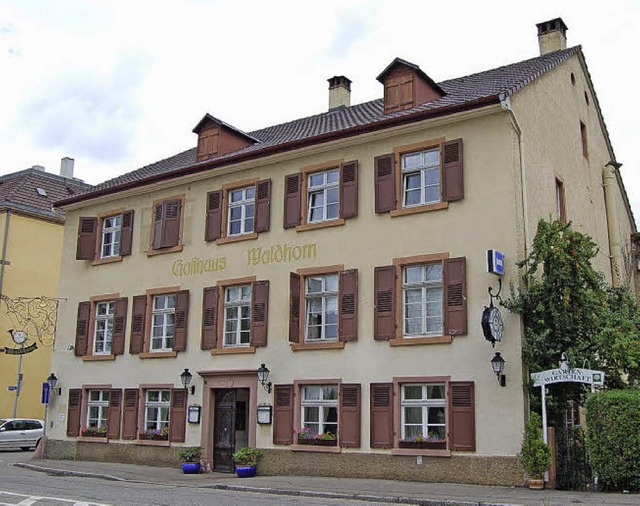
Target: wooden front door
(229, 432)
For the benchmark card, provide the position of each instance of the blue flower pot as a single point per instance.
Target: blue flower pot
(245, 471)
(191, 467)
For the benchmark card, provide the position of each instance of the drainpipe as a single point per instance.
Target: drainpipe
(505, 102)
(615, 249)
(4, 248)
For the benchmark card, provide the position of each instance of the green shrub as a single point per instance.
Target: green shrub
(247, 456)
(190, 454)
(535, 455)
(613, 438)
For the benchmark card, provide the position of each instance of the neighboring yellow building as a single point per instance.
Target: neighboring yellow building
(30, 249)
(347, 253)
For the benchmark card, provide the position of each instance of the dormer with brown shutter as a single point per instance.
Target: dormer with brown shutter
(406, 86)
(217, 138)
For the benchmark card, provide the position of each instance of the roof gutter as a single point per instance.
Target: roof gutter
(287, 146)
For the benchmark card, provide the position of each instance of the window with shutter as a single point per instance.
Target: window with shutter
(209, 318)
(73, 413)
(178, 415)
(462, 416)
(82, 329)
(283, 415)
(381, 415)
(130, 414)
(431, 306)
(114, 413)
(166, 236)
(349, 415)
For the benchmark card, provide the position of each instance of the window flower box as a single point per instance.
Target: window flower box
(94, 432)
(154, 435)
(424, 445)
(317, 442)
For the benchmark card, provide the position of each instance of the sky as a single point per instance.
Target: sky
(117, 85)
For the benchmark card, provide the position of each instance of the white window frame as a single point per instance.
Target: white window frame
(323, 405)
(423, 168)
(233, 309)
(111, 236)
(103, 327)
(323, 189)
(328, 297)
(247, 207)
(163, 407)
(424, 403)
(425, 287)
(99, 403)
(160, 318)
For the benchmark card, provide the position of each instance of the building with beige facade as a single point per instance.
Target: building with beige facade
(31, 234)
(347, 253)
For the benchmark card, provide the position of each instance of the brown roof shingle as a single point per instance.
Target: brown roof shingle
(463, 92)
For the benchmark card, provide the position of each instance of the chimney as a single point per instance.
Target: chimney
(339, 92)
(552, 36)
(66, 167)
(38, 167)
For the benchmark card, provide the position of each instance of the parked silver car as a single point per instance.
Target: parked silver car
(23, 433)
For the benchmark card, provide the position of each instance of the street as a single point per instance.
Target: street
(26, 487)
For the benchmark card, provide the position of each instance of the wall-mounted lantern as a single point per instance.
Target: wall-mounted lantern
(185, 378)
(263, 377)
(497, 366)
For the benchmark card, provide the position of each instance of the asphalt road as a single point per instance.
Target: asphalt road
(25, 487)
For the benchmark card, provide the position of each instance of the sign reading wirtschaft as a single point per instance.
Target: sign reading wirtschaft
(587, 376)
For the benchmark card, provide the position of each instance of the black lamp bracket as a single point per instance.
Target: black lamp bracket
(497, 295)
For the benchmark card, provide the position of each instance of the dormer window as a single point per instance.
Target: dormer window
(217, 138)
(406, 86)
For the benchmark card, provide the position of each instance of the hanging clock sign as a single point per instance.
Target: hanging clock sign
(492, 324)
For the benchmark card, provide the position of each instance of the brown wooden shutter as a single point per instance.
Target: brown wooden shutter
(178, 414)
(130, 413)
(73, 412)
(453, 179)
(158, 220)
(283, 415)
(126, 233)
(349, 433)
(181, 323)
(259, 313)
(209, 318)
(398, 93)
(385, 183)
(348, 306)
(171, 223)
(462, 422)
(213, 229)
(294, 307)
(349, 190)
(381, 415)
(82, 329)
(119, 326)
(384, 284)
(292, 196)
(87, 232)
(113, 413)
(455, 296)
(138, 318)
(263, 205)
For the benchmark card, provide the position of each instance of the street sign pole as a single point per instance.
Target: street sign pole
(18, 382)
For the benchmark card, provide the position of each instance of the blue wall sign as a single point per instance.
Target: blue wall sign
(495, 262)
(46, 390)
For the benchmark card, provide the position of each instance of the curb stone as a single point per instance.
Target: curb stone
(277, 491)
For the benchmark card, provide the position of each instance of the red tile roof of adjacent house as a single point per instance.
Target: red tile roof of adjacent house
(34, 191)
(462, 93)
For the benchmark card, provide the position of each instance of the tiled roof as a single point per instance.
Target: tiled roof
(461, 92)
(34, 191)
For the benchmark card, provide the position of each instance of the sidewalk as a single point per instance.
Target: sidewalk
(428, 494)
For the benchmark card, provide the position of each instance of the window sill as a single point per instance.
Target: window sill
(237, 238)
(315, 449)
(97, 358)
(412, 341)
(158, 354)
(108, 260)
(150, 442)
(323, 224)
(421, 451)
(419, 209)
(86, 439)
(233, 351)
(174, 249)
(339, 345)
